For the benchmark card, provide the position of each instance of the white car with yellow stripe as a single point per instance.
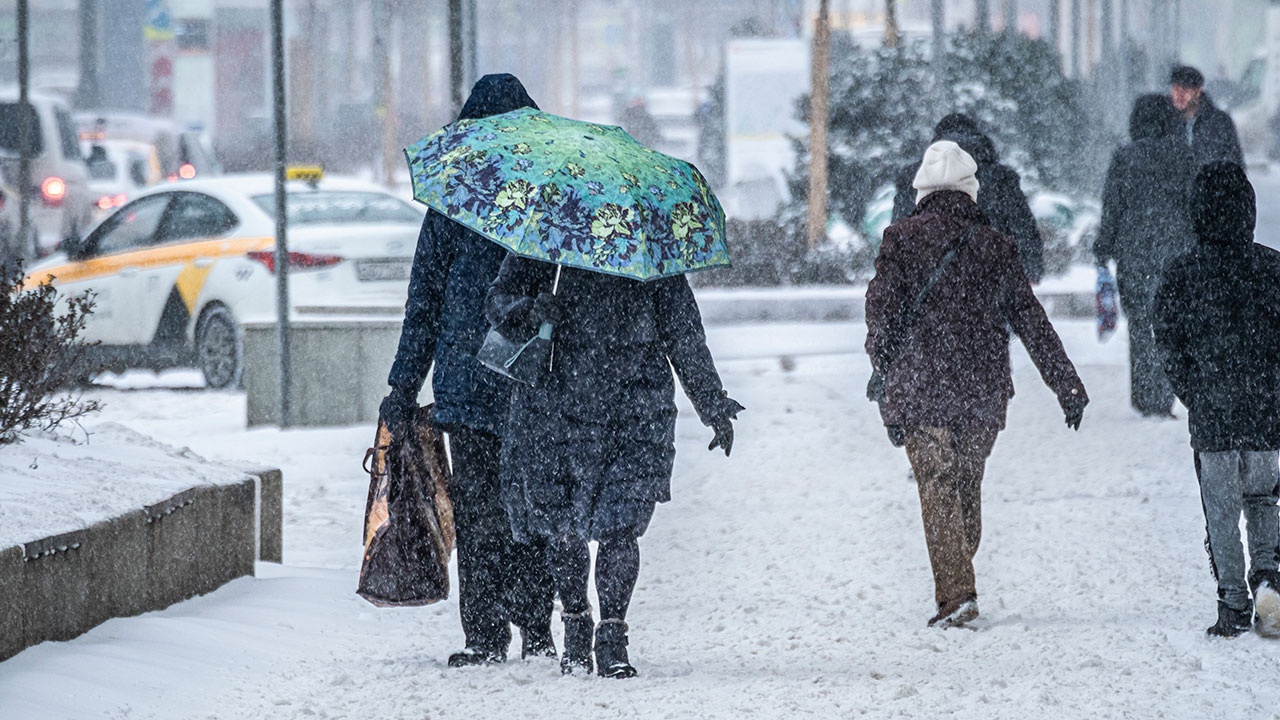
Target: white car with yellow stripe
(176, 271)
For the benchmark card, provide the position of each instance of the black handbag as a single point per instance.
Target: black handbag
(526, 362)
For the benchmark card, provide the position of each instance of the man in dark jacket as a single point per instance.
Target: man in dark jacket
(1218, 329)
(1209, 131)
(499, 581)
(1145, 224)
(947, 374)
(999, 191)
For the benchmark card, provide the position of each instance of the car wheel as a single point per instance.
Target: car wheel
(219, 348)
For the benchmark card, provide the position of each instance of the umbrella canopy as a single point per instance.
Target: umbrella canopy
(573, 193)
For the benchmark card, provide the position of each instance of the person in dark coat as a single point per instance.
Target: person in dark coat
(1209, 131)
(500, 581)
(1218, 330)
(947, 376)
(1146, 222)
(590, 450)
(999, 194)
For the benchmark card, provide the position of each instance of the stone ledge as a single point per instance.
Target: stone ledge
(58, 587)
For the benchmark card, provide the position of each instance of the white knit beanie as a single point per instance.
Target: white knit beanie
(946, 166)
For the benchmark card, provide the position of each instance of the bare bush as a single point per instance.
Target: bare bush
(42, 359)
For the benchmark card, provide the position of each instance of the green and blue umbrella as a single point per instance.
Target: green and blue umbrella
(573, 193)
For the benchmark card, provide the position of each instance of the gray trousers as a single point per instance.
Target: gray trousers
(1231, 482)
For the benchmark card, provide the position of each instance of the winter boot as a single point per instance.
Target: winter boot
(955, 613)
(1231, 622)
(471, 656)
(1266, 607)
(611, 649)
(579, 631)
(536, 643)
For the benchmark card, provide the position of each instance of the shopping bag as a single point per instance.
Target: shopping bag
(408, 530)
(1106, 303)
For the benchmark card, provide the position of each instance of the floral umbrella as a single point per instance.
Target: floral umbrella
(573, 193)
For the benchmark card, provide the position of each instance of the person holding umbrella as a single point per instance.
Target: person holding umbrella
(500, 581)
(601, 229)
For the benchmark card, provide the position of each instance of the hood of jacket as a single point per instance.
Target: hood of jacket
(1153, 116)
(496, 94)
(1223, 205)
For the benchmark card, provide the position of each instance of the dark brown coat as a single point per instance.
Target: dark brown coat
(952, 368)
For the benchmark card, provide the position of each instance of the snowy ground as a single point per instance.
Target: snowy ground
(788, 580)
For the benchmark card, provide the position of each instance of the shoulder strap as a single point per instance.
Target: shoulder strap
(913, 310)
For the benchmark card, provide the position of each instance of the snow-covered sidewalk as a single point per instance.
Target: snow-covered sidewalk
(788, 580)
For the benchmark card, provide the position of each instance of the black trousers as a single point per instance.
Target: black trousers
(1149, 389)
(500, 582)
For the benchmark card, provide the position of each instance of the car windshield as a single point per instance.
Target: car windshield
(338, 207)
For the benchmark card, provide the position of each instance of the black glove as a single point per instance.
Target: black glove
(723, 427)
(397, 412)
(1073, 408)
(546, 308)
(897, 435)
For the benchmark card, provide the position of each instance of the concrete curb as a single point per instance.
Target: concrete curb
(58, 587)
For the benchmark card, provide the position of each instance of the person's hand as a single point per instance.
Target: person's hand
(547, 309)
(897, 435)
(723, 436)
(397, 412)
(1073, 409)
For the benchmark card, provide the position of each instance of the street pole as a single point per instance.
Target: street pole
(1055, 28)
(1077, 67)
(455, 55)
(818, 117)
(25, 234)
(939, 54)
(891, 36)
(282, 244)
(982, 16)
(87, 93)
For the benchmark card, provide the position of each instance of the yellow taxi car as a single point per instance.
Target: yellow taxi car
(176, 271)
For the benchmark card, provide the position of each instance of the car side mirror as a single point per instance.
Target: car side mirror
(74, 247)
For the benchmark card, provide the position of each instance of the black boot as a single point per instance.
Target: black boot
(578, 634)
(611, 649)
(536, 643)
(472, 656)
(1231, 622)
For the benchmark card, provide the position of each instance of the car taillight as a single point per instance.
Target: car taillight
(297, 260)
(53, 190)
(187, 171)
(106, 202)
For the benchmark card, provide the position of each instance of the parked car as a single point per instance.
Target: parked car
(176, 271)
(118, 171)
(183, 154)
(60, 206)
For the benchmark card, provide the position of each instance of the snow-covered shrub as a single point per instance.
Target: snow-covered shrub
(41, 356)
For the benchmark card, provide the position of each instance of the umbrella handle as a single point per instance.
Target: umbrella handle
(544, 332)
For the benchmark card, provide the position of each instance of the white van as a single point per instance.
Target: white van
(60, 204)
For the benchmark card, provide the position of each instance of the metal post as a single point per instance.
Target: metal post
(87, 93)
(818, 118)
(1077, 67)
(1055, 26)
(282, 244)
(939, 55)
(455, 54)
(25, 233)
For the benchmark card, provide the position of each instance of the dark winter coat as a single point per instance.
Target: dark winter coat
(1213, 135)
(952, 367)
(999, 195)
(1218, 321)
(1146, 218)
(444, 315)
(590, 450)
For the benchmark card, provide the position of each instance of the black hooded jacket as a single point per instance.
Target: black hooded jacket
(999, 191)
(444, 319)
(1146, 219)
(1214, 136)
(1218, 320)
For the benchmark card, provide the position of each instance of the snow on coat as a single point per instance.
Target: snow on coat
(952, 368)
(590, 450)
(1218, 321)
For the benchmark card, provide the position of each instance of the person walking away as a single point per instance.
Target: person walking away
(999, 191)
(590, 450)
(1207, 130)
(500, 581)
(947, 376)
(1218, 331)
(1145, 224)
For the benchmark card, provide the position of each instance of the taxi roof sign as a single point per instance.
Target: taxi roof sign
(306, 173)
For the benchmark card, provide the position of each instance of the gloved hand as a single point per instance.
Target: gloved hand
(723, 427)
(547, 308)
(897, 435)
(397, 412)
(1073, 408)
